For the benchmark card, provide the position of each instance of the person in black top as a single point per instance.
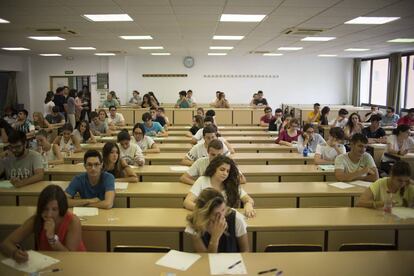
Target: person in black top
(277, 120)
(324, 116)
(59, 99)
(260, 101)
(155, 117)
(198, 123)
(374, 132)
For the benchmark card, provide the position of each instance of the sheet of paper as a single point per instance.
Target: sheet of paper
(327, 167)
(5, 184)
(85, 211)
(341, 185)
(36, 262)
(158, 138)
(361, 183)
(178, 260)
(273, 132)
(179, 168)
(121, 185)
(220, 263)
(410, 154)
(402, 212)
(378, 145)
(311, 154)
(83, 145)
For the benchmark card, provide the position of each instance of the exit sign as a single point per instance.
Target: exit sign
(68, 72)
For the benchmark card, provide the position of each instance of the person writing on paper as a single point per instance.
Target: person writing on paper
(267, 117)
(98, 127)
(146, 143)
(289, 136)
(398, 186)
(222, 174)
(95, 187)
(21, 166)
(341, 120)
(198, 136)
(197, 125)
(315, 115)
(309, 139)
(67, 142)
(326, 154)
(112, 163)
(83, 133)
(55, 228)
(50, 152)
(130, 153)
(214, 227)
(153, 128)
(374, 132)
(115, 119)
(356, 164)
(400, 141)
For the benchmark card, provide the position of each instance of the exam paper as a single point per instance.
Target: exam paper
(402, 212)
(121, 185)
(85, 211)
(179, 168)
(327, 167)
(36, 262)
(341, 185)
(5, 184)
(220, 263)
(178, 260)
(361, 183)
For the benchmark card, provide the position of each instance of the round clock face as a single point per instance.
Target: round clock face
(188, 62)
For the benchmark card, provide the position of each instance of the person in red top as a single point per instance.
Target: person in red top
(55, 228)
(267, 118)
(407, 119)
(289, 136)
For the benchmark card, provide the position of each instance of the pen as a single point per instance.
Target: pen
(233, 265)
(50, 271)
(267, 271)
(279, 273)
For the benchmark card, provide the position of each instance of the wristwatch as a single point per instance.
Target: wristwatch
(53, 240)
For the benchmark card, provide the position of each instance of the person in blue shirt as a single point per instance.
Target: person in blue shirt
(183, 101)
(95, 187)
(153, 128)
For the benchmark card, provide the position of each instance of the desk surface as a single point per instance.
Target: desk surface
(375, 263)
(179, 139)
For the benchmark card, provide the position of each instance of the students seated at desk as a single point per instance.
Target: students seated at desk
(135, 99)
(290, 135)
(214, 227)
(221, 174)
(146, 143)
(110, 101)
(83, 133)
(356, 164)
(66, 141)
(326, 154)
(374, 132)
(200, 150)
(55, 228)
(158, 118)
(309, 139)
(191, 99)
(95, 187)
(277, 121)
(116, 166)
(50, 152)
(198, 136)
(260, 101)
(398, 187)
(5, 130)
(221, 101)
(153, 128)
(254, 97)
(353, 126)
(130, 152)
(400, 141)
(21, 166)
(200, 111)
(23, 124)
(374, 111)
(39, 121)
(115, 119)
(98, 127)
(315, 115)
(197, 125)
(267, 117)
(183, 101)
(390, 118)
(55, 118)
(407, 119)
(324, 116)
(341, 120)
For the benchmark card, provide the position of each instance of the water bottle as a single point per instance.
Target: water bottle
(45, 160)
(71, 149)
(305, 151)
(388, 203)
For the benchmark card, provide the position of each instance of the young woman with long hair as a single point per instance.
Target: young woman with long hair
(116, 166)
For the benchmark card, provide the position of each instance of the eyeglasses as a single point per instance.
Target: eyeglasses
(92, 165)
(138, 133)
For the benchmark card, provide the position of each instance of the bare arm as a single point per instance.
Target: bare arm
(319, 161)
(367, 200)
(248, 203)
(243, 242)
(107, 203)
(186, 162)
(9, 247)
(76, 143)
(189, 201)
(187, 179)
(76, 202)
(36, 177)
(154, 149)
(58, 155)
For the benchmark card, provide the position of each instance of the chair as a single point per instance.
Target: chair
(293, 248)
(366, 246)
(141, 249)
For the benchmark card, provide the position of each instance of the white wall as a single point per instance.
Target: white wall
(11, 63)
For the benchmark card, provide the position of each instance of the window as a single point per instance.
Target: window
(365, 81)
(407, 81)
(374, 81)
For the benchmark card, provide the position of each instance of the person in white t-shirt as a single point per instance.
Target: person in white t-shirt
(129, 152)
(222, 174)
(341, 120)
(208, 121)
(214, 227)
(309, 139)
(400, 141)
(49, 104)
(356, 164)
(326, 154)
(146, 143)
(115, 119)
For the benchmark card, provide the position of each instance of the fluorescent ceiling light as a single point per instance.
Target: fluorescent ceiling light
(371, 20)
(160, 54)
(108, 17)
(136, 37)
(242, 17)
(46, 38)
(151, 47)
(356, 50)
(217, 54)
(221, 47)
(290, 48)
(318, 38)
(104, 54)
(327, 55)
(272, 54)
(82, 48)
(4, 20)
(50, 55)
(228, 37)
(15, 49)
(402, 40)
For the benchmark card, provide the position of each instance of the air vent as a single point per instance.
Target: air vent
(56, 31)
(259, 52)
(302, 31)
(117, 52)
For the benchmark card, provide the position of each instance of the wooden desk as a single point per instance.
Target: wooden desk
(226, 133)
(299, 264)
(409, 158)
(329, 227)
(253, 173)
(187, 140)
(171, 194)
(377, 151)
(221, 128)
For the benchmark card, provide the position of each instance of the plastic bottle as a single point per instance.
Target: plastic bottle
(388, 203)
(71, 150)
(305, 151)
(45, 160)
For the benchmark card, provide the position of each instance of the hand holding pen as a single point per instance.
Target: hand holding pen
(20, 255)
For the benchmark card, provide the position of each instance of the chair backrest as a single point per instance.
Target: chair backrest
(141, 249)
(293, 248)
(367, 246)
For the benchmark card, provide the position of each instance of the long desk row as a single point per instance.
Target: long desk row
(299, 264)
(224, 133)
(171, 194)
(329, 227)
(253, 173)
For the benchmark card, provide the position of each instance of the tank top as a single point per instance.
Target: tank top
(43, 243)
(49, 154)
(65, 146)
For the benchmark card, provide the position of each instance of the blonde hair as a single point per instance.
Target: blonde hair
(207, 201)
(40, 121)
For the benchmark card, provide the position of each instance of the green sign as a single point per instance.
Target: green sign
(68, 72)
(102, 80)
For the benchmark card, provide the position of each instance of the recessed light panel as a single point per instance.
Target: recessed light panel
(151, 47)
(402, 40)
(217, 54)
(15, 49)
(318, 38)
(371, 20)
(356, 50)
(82, 48)
(290, 48)
(108, 17)
(242, 17)
(221, 47)
(136, 37)
(228, 37)
(50, 55)
(104, 54)
(160, 54)
(46, 38)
